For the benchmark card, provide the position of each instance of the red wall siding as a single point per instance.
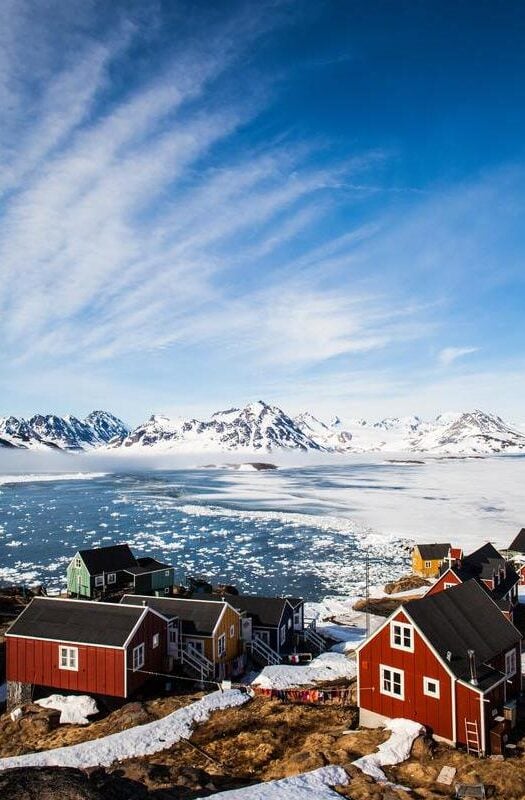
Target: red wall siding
(100, 669)
(467, 708)
(435, 713)
(439, 585)
(155, 659)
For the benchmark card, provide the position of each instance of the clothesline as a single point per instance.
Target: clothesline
(341, 696)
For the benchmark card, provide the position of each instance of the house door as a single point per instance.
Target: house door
(195, 646)
(173, 641)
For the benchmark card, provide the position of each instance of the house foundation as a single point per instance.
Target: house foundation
(18, 694)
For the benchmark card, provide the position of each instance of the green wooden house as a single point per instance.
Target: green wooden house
(99, 571)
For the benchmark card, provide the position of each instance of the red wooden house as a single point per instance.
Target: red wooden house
(80, 646)
(450, 661)
(489, 568)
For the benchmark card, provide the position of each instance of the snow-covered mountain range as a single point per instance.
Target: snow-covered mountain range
(42, 432)
(262, 428)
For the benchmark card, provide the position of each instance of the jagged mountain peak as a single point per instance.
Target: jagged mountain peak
(70, 433)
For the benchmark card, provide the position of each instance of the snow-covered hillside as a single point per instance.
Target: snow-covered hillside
(463, 433)
(42, 432)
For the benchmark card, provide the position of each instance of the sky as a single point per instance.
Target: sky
(317, 204)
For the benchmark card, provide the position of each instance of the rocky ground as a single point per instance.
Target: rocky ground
(263, 740)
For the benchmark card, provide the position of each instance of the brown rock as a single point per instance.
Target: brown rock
(423, 747)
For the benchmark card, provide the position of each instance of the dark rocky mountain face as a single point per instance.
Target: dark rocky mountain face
(63, 433)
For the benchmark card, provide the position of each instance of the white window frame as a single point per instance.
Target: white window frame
(155, 640)
(111, 577)
(221, 645)
(139, 654)
(71, 658)
(232, 631)
(448, 585)
(382, 678)
(78, 562)
(510, 663)
(426, 687)
(403, 627)
(167, 573)
(99, 581)
(297, 619)
(282, 634)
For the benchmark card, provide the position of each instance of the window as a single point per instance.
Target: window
(510, 663)
(99, 580)
(431, 687)
(221, 645)
(297, 619)
(401, 636)
(448, 585)
(68, 658)
(166, 590)
(155, 641)
(428, 564)
(167, 573)
(282, 634)
(289, 624)
(78, 562)
(111, 577)
(392, 682)
(138, 657)
(232, 631)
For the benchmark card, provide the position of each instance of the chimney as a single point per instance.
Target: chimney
(472, 664)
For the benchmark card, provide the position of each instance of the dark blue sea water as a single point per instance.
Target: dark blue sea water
(264, 532)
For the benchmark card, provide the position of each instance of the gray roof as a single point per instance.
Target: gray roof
(76, 621)
(431, 552)
(197, 617)
(108, 559)
(147, 564)
(264, 611)
(518, 543)
(465, 618)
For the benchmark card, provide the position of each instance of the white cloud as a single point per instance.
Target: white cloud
(450, 354)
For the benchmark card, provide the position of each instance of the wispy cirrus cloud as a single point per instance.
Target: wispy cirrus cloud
(448, 355)
(149, 210)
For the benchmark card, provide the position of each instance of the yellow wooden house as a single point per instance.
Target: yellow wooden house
(427, 559)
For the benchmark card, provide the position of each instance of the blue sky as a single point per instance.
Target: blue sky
(319, 204)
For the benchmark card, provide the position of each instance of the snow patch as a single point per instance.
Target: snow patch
(140, 741)
(326, 667)
(75, 709)
(393, 751)
(308, 786)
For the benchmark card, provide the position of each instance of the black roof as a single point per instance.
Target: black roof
(518, 543)
(197, 617)
(75, 621)
(108, 559)
(465, 618)
(483, 564)
(264, 611)
(147, 564)
(431, 552)
(295, 601)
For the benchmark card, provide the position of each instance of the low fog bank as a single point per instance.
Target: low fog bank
(23, 462)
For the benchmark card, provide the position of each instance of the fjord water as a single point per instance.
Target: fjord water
(302, 530)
